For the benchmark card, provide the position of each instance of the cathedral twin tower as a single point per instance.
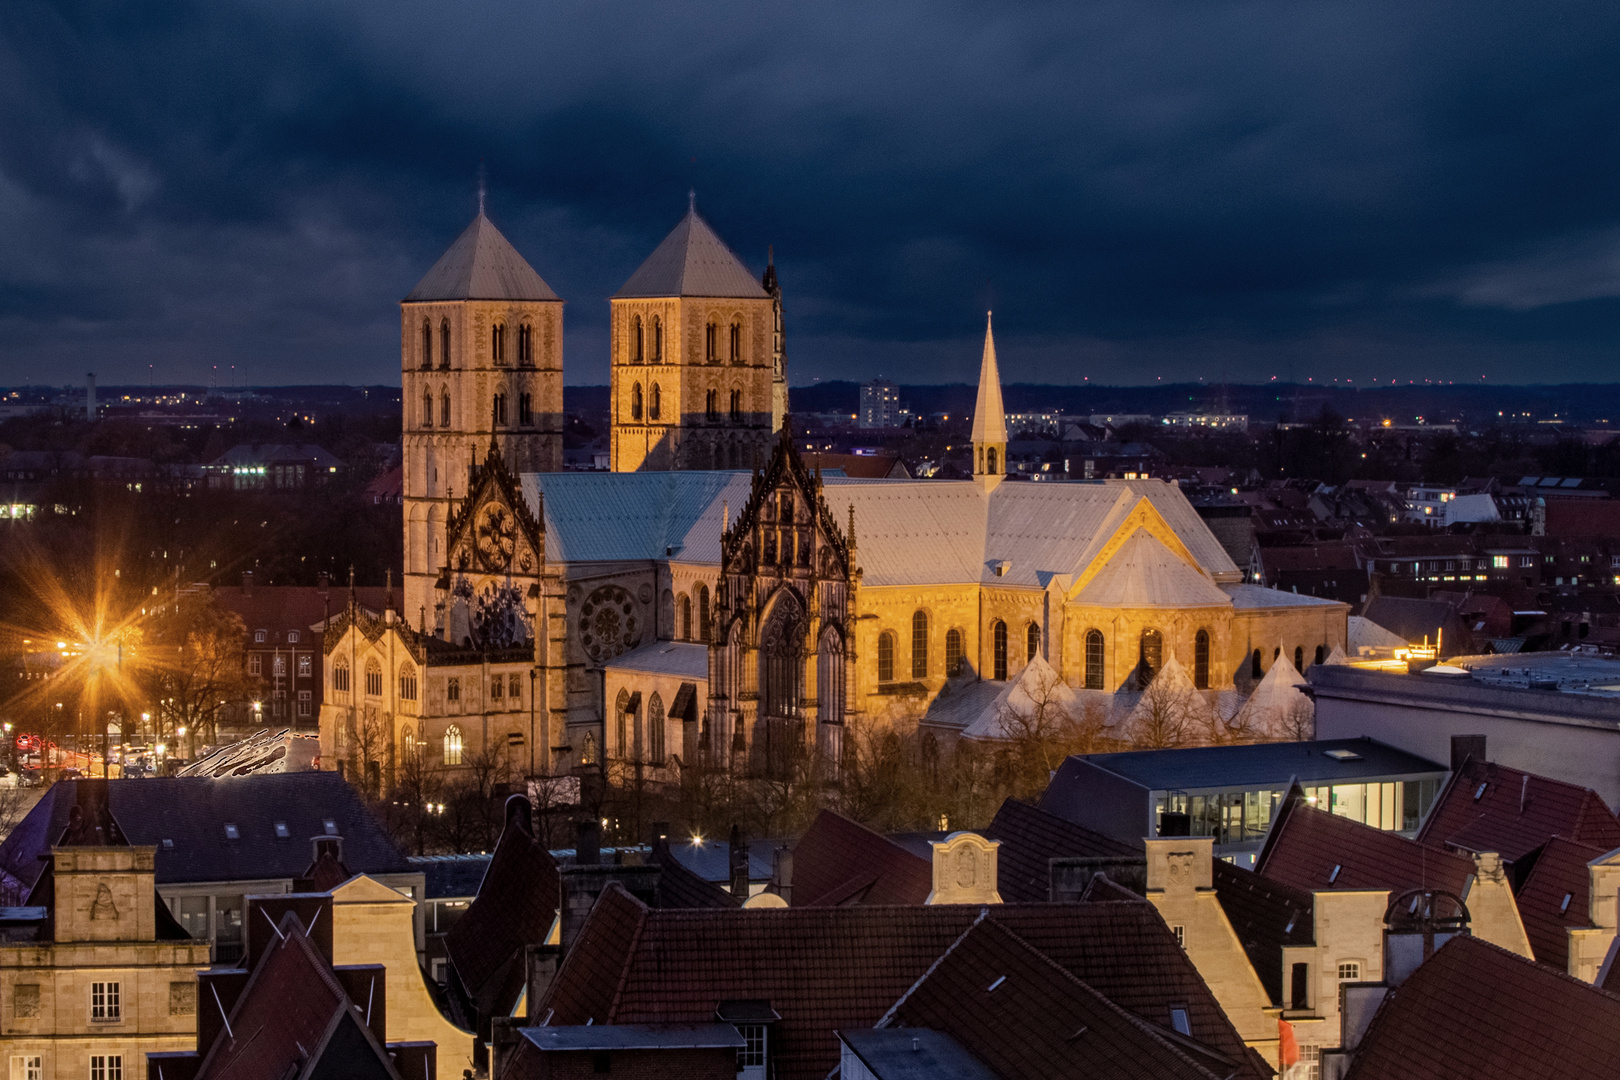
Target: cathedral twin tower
(698, 377)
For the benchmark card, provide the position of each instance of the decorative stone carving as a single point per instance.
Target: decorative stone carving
(965, 870)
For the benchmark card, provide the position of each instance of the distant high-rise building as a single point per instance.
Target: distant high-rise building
(880, 404)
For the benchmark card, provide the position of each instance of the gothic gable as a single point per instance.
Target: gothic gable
(785, 494)
(1144, 517)
(493, 531)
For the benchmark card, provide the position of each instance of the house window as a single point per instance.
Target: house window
(278, 666)
(885, 657)
(1094, 660)
(106, 1067)
(27, 1067)
(1201, 660)
(998, 639)
(106, 1005)
(953, 653)
(1178, 1020)
(255, 665)
(292, 637)
(751, 1058)
(919, 645)
(452, 689)
(258, 637)
(407, 682)
(282, 832)
(1350, 970)
(1181, 934)
(306, 668)
(1310, 1060)
(373, 679)
(452, 745)
(1032, 641)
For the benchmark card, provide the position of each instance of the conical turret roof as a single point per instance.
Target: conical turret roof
(481, 265)
(693, 261)
(989, 418)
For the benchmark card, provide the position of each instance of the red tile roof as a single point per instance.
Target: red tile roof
(826, 968)
(1559, 872)
(1031, 837)
(1266, 915)
(678, 887)
(838, 861)
(1477, 1012)
(1306, 846)
(1515, 813)
(1022, 1015)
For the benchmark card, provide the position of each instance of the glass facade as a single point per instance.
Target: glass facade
(1243, 816)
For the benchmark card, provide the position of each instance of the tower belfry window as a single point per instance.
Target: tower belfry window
(444, 345)
(736, 343)
(655, 403)
(427, 408)
(526, 409)
(444, 409)
(736, 404)
(657, 339)
(500, 410)
(427, 344)
(711, 352)
(526, 345)
(635, 401)
(497, 343)
(635, 340)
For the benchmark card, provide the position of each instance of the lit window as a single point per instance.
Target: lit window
(105, 1002)
(1499, 562)
(27, 1067)
(305, 668)
(452, 745)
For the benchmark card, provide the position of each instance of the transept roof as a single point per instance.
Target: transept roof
(481, 265)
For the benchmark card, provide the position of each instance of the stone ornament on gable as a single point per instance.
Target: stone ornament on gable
(965, 870)
(103, 906)
(1179, 866)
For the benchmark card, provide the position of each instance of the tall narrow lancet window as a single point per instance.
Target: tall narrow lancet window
(1032, 641)
(1299, 658)
(636, 354)
(1254, 665)
(427, 408)
(736, 405)
(444, 409)
(526, 345)
(1201, 660)
(736, 343)
(953, 654)
(885, 657)
(635, 402)
(497, 343)
(427, 344)
(526, 409)
(919, 645)
(779, 646)
(444, 344)
(655, 403)
(990, 461)
(1094, 660)
(655, 730)
(710, 352)
(686, 617)
(657, 340)
(1151, 654)
(703, 612)
(830, 677)
(998, 644)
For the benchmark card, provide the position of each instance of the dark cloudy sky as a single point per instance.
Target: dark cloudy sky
(1140, 189)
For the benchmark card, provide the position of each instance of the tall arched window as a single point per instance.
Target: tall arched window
(780, 645)
(444, 344)
(452, 745)
(1094, 660)
(636, 354)
(340, 677)
(686, 617)
(498, 409)
(373, 679)
(710, 350)
(885, 657)
(1150, 653)
(990, 459)
(1254, 665)
(830, 677)
(427, 344)
(621, 712)
(525, 345)
(1299, 658)
(998, 645)
(427, 408)
(953, 653)
(1201, 660)
(655, 730)
(407, 745)
(407, 681)
(655, 403)
(736, 343)
(703, 612)
(1032, 641)
(736, 405)
(444, 408)
(635, 402)
(1321, 653)
(711, 405)
(497, 343)
(657, 339)
(919, 645)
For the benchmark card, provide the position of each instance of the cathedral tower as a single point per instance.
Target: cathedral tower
(989, 418)
(481, 359)
(695, 351)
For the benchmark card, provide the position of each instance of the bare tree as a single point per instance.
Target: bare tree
(194, 666)
(1166, 716)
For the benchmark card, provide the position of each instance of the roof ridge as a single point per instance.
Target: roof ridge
(629, 952)
(883, 1021)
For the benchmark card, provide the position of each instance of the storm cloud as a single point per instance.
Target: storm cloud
(1226, 191)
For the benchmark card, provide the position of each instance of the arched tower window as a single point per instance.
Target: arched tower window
(686, 617)
(498, 409)
(990, 461)
(703, 613)
(635, 402)
(998, 645)
(886, 657)
(1032, 641)
(526, 345)
(655, 730)
(711, 407)
(373, 679)
(1201, 660)
(1094, 660)
(736, 343)
(953, 653)
(736, 405)
(1321, 653)
(655, 403)
(1299, 658)
(711, 351)
(444, 408)
(452, 745)
(407, 681)
(919, 645)
(427, 344)
(497, 343)
(636, 354)
(1254, 665)
(657, 339)
(427, 408)
(1150, 654)
(444, 345)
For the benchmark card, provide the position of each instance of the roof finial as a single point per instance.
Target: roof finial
(770, 254)
(691, 200)
(480, 187)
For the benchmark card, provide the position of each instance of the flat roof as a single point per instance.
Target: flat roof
(635, 1037)
(1263, 764)
(913, 1054)
(683, 659)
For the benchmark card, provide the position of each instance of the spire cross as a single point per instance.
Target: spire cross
(480, 189)
(691, 200)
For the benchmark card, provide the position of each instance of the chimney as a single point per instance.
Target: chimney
(782, 874)
(90, 397)
(737, 850)
(247, 583)
(588, 843)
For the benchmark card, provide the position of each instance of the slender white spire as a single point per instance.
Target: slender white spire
(989, 418)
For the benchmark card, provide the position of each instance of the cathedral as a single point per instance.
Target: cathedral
(710, 597)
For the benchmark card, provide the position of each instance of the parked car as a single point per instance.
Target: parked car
(71, 773)
(29, 777)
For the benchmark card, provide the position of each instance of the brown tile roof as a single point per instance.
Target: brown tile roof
(1516, 813)
(1306, 846)
(1559, 871)
(1024, 1016)
(838, 862)
(1477, 1012)
(1102, 889)
(678, 887)
(825, 968)
(1030, 837)
(1266, 915)
(516, 904)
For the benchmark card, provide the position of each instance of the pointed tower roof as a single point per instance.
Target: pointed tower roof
(989, 418)
(481, 265)
(692, 261)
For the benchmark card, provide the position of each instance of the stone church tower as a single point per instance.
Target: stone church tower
(481, 355)
(696, 358)
(989, 419)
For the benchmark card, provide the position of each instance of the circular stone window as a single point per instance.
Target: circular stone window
(607, 623)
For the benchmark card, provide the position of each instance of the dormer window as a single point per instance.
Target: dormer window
(168, 844)
(281, 830)
(232, 832)
(1179, 1021)
(330, 825)
(292, 637)
(259, 636)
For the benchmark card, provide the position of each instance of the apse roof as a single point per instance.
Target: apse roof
(481, 265)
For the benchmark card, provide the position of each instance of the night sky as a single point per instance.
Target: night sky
(1141, 190)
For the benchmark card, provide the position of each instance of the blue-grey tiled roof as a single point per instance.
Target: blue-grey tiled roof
(1262, 764)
